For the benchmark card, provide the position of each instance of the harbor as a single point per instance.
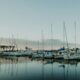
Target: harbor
(64, 52)
(27, 68)
(60, 54)
(40, 60)
(39, 40)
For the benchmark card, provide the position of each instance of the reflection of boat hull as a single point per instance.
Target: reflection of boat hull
(60, 58)
(49, 57)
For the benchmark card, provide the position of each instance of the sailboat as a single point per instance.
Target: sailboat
(44, 54)
(40, 53)
(49, 53)
(13, 49)
(62, 51)
(75, 54)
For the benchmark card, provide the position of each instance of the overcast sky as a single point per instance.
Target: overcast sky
(26, 18)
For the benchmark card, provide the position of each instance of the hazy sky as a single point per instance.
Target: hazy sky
(26, 18)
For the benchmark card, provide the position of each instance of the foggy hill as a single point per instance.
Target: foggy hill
(20, 43)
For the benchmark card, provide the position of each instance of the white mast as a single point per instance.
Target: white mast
(66, 35)
(38, 44)
(42, 40)
(63, 34)
(75, 33)
(14, 42)
(51, 37)
(42, 43)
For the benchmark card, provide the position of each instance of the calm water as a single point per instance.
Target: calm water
(27, 69)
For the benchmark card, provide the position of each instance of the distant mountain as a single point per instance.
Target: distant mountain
(20, 43)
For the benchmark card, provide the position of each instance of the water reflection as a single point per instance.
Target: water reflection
(24, 68)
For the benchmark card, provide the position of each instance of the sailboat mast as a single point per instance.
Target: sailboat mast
(75, 33)
(51, 37)
(63, 35)
(38, 44)
(42, 43)
(14, 42)
(66, 35)
(42, 40)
